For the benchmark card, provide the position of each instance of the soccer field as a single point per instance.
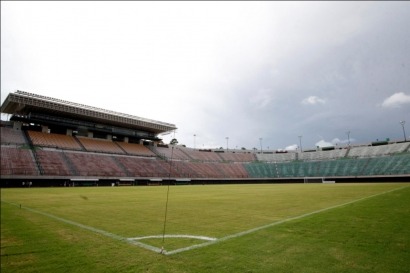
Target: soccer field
(222, 228)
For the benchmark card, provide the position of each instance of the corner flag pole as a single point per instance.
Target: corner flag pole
(166, 203)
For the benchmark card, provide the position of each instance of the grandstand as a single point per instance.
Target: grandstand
(54, 142)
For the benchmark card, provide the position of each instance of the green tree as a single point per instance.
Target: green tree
(174, 141)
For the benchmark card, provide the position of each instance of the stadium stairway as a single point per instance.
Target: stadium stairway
(69, 164)
(121, 166)
(33, 153)
(79, 143)
(121, 148)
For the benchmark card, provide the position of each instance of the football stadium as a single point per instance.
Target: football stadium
(51, 142)
(86, 189)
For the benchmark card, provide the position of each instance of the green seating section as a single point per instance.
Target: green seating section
(388, 165)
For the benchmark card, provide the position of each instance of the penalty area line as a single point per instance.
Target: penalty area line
(240, 234)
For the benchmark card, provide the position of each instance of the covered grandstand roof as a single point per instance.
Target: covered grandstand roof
(25, 103)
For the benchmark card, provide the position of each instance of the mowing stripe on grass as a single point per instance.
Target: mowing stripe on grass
(99, 231)
(236, 235)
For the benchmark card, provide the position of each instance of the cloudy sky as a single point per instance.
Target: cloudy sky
(243, 70)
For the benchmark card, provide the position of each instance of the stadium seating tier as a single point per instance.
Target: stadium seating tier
(63, 155)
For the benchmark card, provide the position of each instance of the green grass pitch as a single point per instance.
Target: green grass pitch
(224, 228)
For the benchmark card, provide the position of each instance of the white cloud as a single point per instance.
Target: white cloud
(396, 100)
(337, 141)
(334, 142)
(323, 143)
(312, 100)
(262, 98)
(292, 147)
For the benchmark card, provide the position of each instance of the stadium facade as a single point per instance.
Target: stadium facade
(53, 142)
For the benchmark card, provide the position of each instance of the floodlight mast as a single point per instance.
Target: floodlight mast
(404, 132)
(300, 143)
(348, 138)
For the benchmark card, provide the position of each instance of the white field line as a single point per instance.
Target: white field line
(211, 241)
(135, 240)
(236, 235)
(204, 238)
(99, 231)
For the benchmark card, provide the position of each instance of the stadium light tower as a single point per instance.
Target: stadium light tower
(227, 140)
(260, 140)
(194, 140)
(348, 138)
(404, 132)
(300, 143)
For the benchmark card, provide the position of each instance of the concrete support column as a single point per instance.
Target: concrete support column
(69, 132)
(17, 125)
(90, 134)
(44, 129)
(126, 139)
